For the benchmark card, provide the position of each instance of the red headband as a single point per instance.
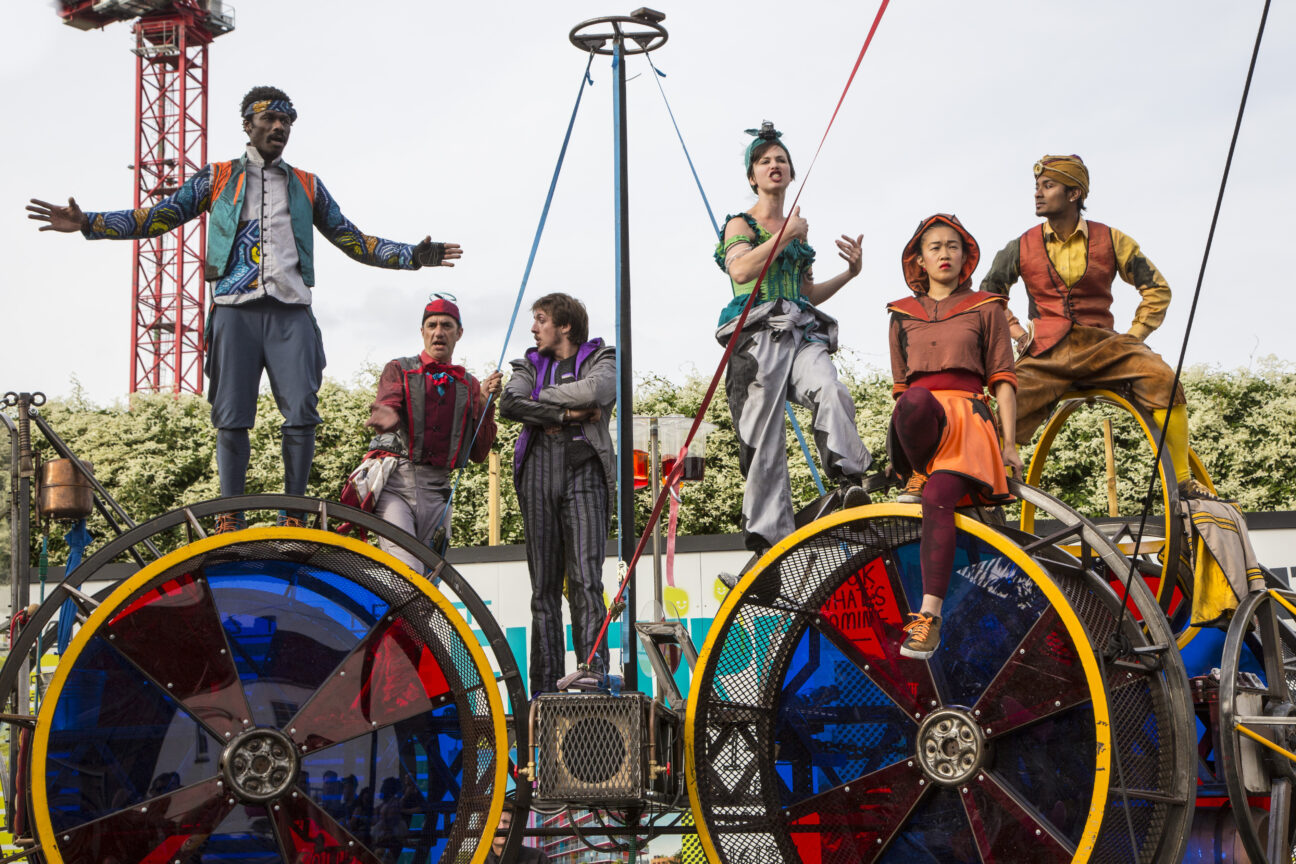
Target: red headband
(442, 306)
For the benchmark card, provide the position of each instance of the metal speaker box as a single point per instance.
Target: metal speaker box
(607, 750)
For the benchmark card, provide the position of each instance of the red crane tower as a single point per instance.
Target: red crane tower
(167, 288)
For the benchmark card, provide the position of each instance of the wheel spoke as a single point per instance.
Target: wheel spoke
(863, 814)
(1042, 677)
(165, 828)
(202, 677)
(310, 834)
(1271, 637)
(863, 618)
(1006, 829)
(1280, 803)
(390, 676)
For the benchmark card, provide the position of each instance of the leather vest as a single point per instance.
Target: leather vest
(438, 409)
(1054, 307)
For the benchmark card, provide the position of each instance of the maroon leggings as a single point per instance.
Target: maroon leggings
(917, 421)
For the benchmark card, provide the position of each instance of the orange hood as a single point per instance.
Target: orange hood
(914, 274)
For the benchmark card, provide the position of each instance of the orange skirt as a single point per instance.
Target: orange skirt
(969, 445)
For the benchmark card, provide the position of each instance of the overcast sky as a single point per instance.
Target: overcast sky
(427, 117)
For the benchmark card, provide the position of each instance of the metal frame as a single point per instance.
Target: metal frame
(625, 503)
(1146, 646)
(1277, 720)
(647, 40)
(1173, 528)
(168, 291)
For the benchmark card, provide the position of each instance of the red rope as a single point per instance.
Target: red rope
(678, 468)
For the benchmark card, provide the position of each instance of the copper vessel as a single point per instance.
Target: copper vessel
(64, 492)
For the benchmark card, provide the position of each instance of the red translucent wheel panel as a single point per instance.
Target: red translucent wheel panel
(810, 738)
(272, 695)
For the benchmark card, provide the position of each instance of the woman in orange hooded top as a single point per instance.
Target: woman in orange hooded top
(949, 344)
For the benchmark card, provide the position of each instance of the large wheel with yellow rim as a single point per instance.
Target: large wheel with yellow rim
(270, 695)
(810, 738)
(1160, 549)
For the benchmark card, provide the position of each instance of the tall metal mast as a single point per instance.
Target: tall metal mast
(638, 33)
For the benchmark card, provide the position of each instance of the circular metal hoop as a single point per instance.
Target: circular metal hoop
(803, 722)
(1174, 606)
(1257, 745)
(651, 38)
(450, 645)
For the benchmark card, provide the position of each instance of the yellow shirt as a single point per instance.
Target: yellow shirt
(1070, 258)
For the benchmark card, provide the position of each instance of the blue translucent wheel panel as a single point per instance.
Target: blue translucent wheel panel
(811, 738)
(273, 695)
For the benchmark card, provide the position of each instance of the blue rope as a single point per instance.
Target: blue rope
(78, 538)
(660, 74)
(796, 427)
(526, 276)
(800, 436)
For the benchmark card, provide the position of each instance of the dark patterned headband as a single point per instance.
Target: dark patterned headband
(283, 106)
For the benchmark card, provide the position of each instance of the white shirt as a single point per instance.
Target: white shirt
(265, 200)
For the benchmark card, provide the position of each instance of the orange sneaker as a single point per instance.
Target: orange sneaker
(289, 520)
(912, 492)
(227, 522)
(924, 636)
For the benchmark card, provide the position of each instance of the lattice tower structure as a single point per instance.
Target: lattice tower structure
(168, 292)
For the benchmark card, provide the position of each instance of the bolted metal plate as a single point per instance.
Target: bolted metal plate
(259, 765)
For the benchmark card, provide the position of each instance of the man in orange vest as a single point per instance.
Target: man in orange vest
(1069, 264)
(260, 261)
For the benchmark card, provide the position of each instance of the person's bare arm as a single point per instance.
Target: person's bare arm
(746, 266)
(850, 251)
(1006, 398)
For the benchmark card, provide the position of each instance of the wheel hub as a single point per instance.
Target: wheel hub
(951, 746)
(259, 765)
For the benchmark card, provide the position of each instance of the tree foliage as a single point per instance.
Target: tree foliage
(157, 452)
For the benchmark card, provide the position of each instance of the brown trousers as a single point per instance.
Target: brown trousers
(1087, 358)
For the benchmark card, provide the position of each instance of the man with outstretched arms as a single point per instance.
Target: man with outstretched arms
(565, 472)
(260, 263)
(431, 417)
(1068, 264)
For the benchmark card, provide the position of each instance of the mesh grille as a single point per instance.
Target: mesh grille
(1142, 729)
(431, 625)
(596, 749)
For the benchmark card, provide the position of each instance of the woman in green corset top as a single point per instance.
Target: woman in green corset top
(783, 352)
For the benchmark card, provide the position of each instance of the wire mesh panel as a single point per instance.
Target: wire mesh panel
(605, 750)
(810, 738)
(272, 695)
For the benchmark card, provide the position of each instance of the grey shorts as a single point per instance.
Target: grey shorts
(265, 334)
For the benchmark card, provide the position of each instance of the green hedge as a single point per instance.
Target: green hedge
(158, 452)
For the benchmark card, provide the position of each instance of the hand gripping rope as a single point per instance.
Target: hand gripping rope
(678, 468)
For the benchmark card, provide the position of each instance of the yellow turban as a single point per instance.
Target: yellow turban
(1067, 170)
